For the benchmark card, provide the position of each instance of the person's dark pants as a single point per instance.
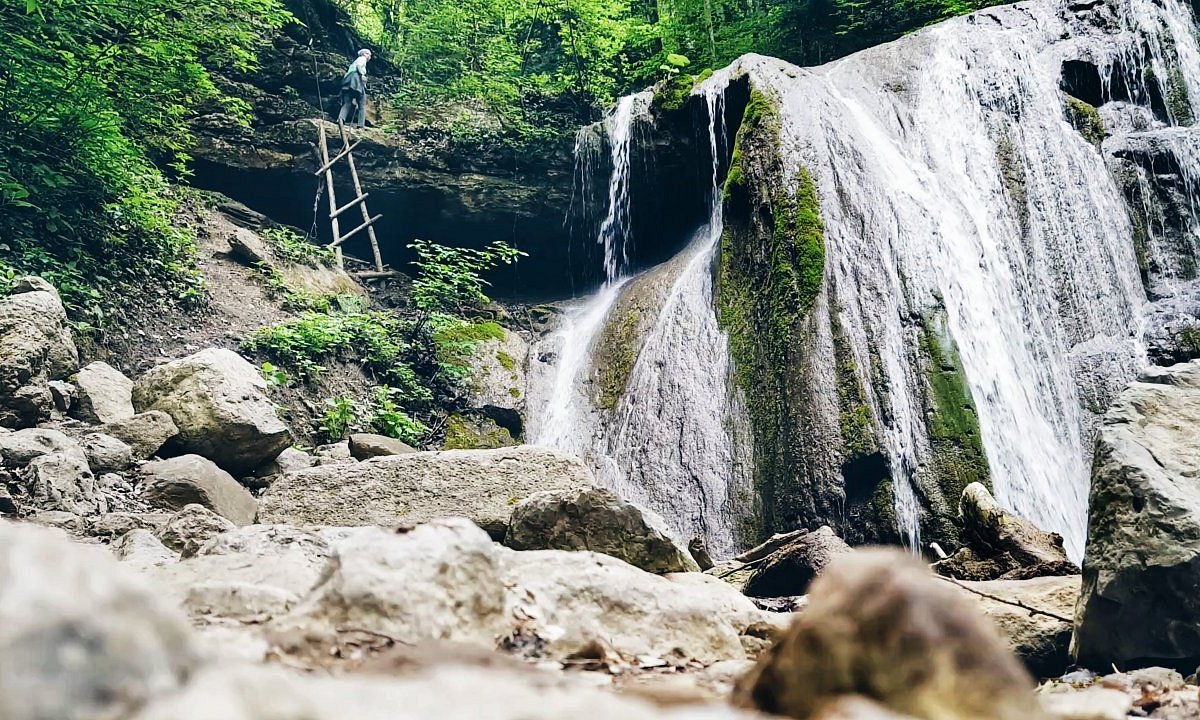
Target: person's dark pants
(354, 105)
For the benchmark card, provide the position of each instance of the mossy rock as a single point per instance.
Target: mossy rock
(956, 442)
(465, 432)
(1086, 121)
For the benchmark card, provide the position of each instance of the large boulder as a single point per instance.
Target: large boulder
(190, 528)
(879, 624)
(18, 449)
(259, 571)
(448, 580)
(1001, 545)
(218, 401)
(787, 572)
(80, 637)
(482, 485)
(35, 348)
(187, 479)
(106, 453)
(63, 481)
(103, 394)
(1142, 563)
(145, 433)
(448, 692)
(1033, 615)
(597, 519)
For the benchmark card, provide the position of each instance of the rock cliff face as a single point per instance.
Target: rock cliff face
(939, 254)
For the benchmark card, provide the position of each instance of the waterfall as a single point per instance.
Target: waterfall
(949, 177)
(676, 440)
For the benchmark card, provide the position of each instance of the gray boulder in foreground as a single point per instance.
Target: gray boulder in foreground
(80, 637)
(1141, 567)
(182, 481)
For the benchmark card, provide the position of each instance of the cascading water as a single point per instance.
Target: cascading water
(950, 178)
(676, 440)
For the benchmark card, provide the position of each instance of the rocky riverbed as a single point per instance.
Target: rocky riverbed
(166, 553)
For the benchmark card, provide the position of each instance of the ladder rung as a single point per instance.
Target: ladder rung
(349, 205)
(339, 156)
(356, 230)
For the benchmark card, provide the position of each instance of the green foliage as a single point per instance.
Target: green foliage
(274, 376)
(291, 246)
(450, 279)
(89, 91)
(304, 343)
(381, 413)
(527, 60)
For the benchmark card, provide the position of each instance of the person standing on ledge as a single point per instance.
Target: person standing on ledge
(354, 90)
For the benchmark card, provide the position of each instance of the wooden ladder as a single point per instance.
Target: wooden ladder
(360, 201)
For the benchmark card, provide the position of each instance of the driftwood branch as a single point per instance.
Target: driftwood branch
(1014, 603)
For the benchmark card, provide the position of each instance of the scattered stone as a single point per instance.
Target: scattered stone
(181, 481)
(596, 519)
(258, 562)
(69, 522)
(145, 433)
(364, 446)
(1090, 704)
(105, 453)
(879, 624)
(35, 348)
(18, 449)
(333, 454)
(7, 505)
(447, 579)
(116, 524)
(142, 550)
(80, 637)
(699, 552)
(1140, 569)
(482, 485)
(1042, 637)
(63, 481)
(218, 401)
(732, 572)
(290, 460)
(498, 381)
(1001, 545)
(447, 692)
(787, 572)
(63, 395)
(104, 394)
(191, 527)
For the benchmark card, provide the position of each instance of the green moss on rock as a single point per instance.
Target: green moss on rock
(506, 361)
(956, 443)
(620, 343)
(770, 273)
(1086, 120)
(469, 433)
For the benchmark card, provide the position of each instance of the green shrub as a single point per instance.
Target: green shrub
(450, 279)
